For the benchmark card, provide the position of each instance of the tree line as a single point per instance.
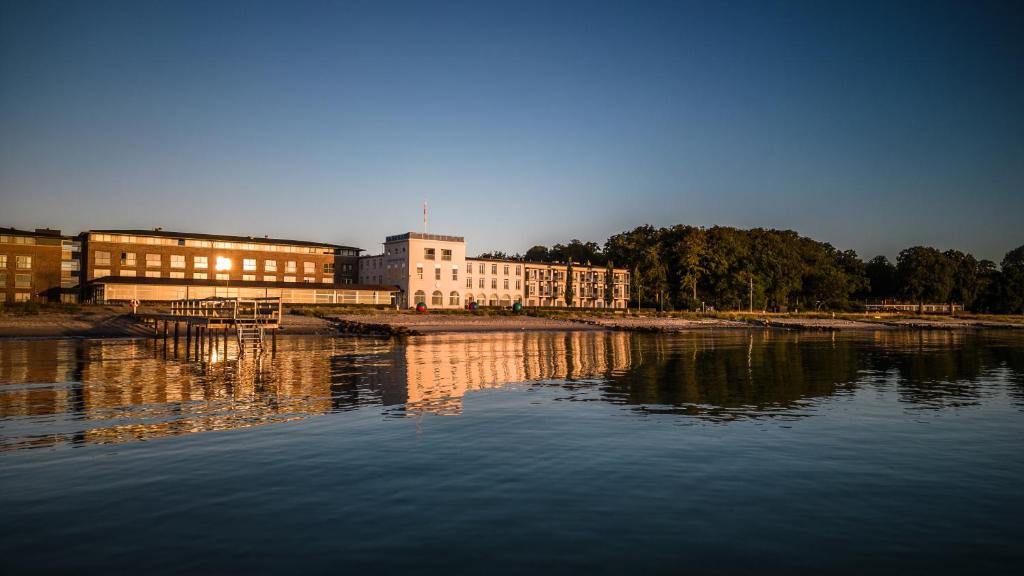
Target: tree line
(689, 268)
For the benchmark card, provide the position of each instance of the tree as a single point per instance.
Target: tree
(924, 275)
(881, 278)
(609, 284)
(569, 293)
(538, 254)
(691, 254)
(965, 287)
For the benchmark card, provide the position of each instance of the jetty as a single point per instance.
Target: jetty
(209, 323)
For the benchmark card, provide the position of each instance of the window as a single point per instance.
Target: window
(446, 254)
(3, 279)
(453, 298)
(469, 282)
(129, 273)
(518, 286)
(309, 267)
(428, 253)
(223, 276)
(3, 260)
(102, 258)
(153, 260)
(419, 271)
(270, 278)
(128, 259)
(455, 273)
(290, 267)
(249, 277)
(519, 270)
(177, 260)
(494, 282)
(481, 268)
(327, 279)
(270, 265)
(437, 299)
(174, 274)
(420, 297)
(505, 282)
(199, 263)
(22, 296)
(23, 262)
(249, 264)
(328, 268)
(505, 272)
(309, 279)
(289, 278)
(199, 275)
(152, 273)
(100, 272)
(494, 268)
(481, 282)
(437, 273)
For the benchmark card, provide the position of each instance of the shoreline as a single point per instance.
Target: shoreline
(110, 323)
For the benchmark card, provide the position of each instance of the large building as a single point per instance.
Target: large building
(154, 265)
(433, 269)
(38, 266)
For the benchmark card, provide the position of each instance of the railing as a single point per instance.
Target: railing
(915, 308)
(230, 310)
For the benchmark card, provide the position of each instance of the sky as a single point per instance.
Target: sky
(872, 126)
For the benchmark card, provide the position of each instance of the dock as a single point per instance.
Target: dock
(209, 323)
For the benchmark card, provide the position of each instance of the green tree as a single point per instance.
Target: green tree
(881, 274)
(609, 283)
(924, 275)
(692, 253)
(569, 292)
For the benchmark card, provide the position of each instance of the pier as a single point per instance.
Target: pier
(209, 322)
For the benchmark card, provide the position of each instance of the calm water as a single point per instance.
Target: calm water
(714, 452)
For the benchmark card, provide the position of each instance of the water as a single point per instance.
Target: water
(713, 452)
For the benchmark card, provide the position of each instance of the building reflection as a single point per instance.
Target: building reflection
(55, 392)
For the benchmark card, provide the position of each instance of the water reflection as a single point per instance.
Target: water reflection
(59, 392)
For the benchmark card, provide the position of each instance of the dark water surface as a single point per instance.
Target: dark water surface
(714, 452)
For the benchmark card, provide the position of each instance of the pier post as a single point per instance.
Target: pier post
(188, 339)
(176, 339)
(273, 342)
(225, 344)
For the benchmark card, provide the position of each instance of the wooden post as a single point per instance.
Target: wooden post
(273, 342)
(225, 344)
(176, 339)
(188, 339)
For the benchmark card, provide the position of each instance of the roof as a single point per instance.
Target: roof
(253, 239)
(240, 284)
(39, 232)
(424, 236)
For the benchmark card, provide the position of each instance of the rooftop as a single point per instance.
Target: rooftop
(253, 239)
(425, 236)
(39, 232)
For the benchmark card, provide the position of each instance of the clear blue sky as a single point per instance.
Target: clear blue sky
(871, 126)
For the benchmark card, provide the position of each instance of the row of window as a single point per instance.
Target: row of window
(454, 299)
(130, 259)
(20, 280)
(494, 283)
(222, 245)
(20, 262)
(5, 239)
(18, 296)
(102, 272)
(430, 253)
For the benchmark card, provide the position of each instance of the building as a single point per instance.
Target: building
(153, 265)
(38, 266)
(433, 269)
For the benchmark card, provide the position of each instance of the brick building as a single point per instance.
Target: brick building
(163, 265)
(38, 266)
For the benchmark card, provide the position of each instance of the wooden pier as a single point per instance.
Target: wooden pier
(209, 322)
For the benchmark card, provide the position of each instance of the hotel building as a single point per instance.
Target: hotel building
(38, 266)
(433, 269)
(153, 265)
